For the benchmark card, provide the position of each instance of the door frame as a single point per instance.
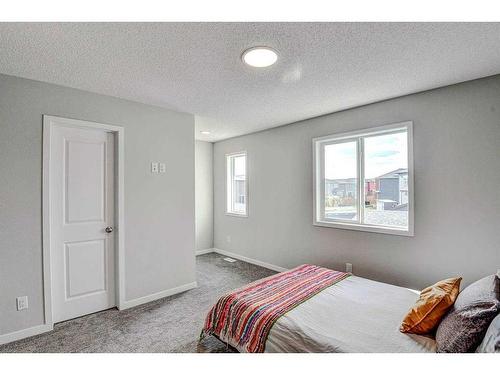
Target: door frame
(49, 122)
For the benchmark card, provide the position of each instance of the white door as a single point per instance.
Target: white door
(81, 220)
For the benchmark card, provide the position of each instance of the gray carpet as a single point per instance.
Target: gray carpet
(171, 324)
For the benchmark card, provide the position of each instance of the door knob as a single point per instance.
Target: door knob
(108, 229)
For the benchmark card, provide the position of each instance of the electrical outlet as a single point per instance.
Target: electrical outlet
(154, 167)
(163, 168)
(228, 239)
(22, 303)
(348, 267)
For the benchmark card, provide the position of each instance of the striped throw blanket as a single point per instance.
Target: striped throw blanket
(244, 317)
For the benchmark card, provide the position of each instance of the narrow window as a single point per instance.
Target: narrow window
(236, 185)
(364, 180)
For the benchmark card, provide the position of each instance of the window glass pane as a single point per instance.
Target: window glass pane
(386, 180)
(341, 181)
(239, 184)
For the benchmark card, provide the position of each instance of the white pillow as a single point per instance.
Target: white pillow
(491, 341)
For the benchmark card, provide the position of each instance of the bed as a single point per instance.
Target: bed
(343, 313)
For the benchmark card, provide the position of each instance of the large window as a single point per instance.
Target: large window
(236, 185)
(364, 180)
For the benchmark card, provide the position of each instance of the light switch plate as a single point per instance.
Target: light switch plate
(348, 267)
(163, 168)
(22, 303)
(154, 167)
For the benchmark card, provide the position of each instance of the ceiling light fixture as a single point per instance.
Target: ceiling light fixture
(205, 132)
(259, 57)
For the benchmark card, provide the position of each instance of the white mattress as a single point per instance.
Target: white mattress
(354, 315)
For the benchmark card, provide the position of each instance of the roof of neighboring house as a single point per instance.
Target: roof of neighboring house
(395, 173)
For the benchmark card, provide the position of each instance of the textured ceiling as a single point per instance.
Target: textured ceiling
(196, 67)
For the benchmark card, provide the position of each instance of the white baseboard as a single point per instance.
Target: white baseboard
(155, 296)
(18, 335)
(204, 251)
(250, 260)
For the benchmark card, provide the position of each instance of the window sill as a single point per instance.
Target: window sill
(236, 214)
(365, 228)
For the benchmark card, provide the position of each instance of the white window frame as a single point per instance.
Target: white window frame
(318, 179)
(229, 177)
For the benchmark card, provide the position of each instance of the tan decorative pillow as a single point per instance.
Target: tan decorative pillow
(431, 307)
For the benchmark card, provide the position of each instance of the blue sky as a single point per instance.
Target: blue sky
(383, 154)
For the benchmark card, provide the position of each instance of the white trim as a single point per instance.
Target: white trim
(390, 128)
(23, 333)
(250, 260)
(411, 181)
(204, 251)
(48, 123)
(365, 228)
(236, 215)
(227, 211)
(317, 149)
(120, 211)
(361, 184)
(46, 279)
(158, 295)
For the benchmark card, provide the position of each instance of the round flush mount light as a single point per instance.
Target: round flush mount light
(259, 57)
(205, 132)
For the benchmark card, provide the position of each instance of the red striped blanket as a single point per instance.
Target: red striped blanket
(244, 317)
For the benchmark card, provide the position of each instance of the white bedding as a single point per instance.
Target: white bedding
(353, 315)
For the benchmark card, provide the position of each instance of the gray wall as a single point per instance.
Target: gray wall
(457, 190)
(204, 195)
(159, 209)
